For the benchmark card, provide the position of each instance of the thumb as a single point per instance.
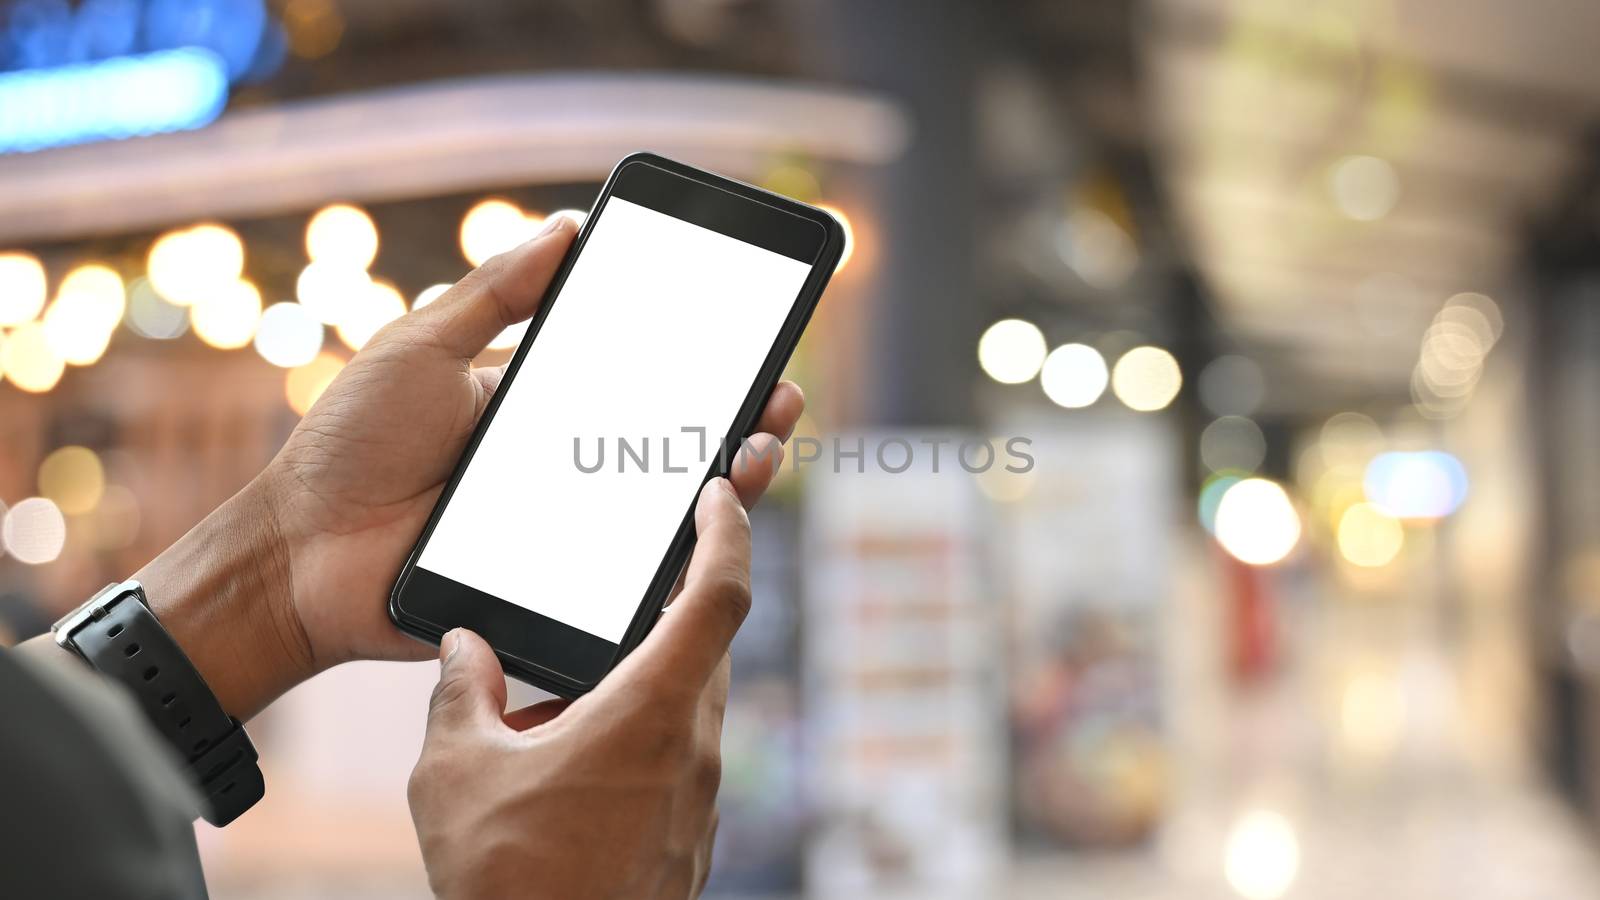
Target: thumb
(500, 293)
(694, 634)
(471, 692)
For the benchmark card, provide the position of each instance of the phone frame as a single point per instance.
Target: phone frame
(426, 625)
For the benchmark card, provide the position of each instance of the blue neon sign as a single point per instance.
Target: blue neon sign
(113, 69)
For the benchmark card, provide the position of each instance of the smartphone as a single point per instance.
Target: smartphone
(571, 513)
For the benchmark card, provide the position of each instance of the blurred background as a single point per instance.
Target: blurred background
(1295, 303)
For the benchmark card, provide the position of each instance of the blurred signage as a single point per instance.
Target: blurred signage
(902, 688)
(112, 69)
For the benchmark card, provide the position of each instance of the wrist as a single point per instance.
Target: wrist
(223, 591)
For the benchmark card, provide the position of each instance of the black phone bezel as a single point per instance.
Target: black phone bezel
(535, 648)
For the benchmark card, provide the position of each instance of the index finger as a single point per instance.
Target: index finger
(686, 646)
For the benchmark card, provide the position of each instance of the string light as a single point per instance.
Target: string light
(378, 306)
(1146, 379)
(494, 226)
(1011, 351)
(34, 531)
(1074, 375)
(288, 335)
(22, 288)
(342, 235)
(227, 318)
(29, 361)
(188, 266)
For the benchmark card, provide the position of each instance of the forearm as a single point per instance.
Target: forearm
(222, 591)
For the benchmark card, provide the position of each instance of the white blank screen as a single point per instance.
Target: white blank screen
(662, 325)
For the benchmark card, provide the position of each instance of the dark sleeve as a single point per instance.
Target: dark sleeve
(93, 804)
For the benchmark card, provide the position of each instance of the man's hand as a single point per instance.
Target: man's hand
(292, 575)
(612, 795)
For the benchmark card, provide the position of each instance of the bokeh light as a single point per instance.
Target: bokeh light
(849, 233)
(1261, 856)
(150, 315)
(342, 235)
(379, 305)
(288, 335)
(72, 331)
(1364, 188)
(494, 226)
(1146, 379)
(1426, 484)
(22, 288)
(29, 361)
(1349, 438)
(34, 531)
(1074, 375)
(1369, 537)
(186, 267)
(226, 319)
(73, 478)
(1257, 523)
(1011, 351)
(329, 291)
(99, 290)
(306, 383)
(1233, 443)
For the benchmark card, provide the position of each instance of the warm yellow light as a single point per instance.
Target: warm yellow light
(1011, 351)
(227, 318)
(328, 292)
(72, 332)
(1368, 537)
(1261, 857)
(849, 233)
(1074, 375)
(306, 383)
(34, 531)
(29, 361)
(380, 305)
(101, 291)
(429, 294)
(1257, 523)
(22, 288)
(493, 227)
(188, 266)
(288, 335)
(342, 235)
(73, 478)
(1146, 379)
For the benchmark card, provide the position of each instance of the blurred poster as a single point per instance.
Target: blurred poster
(903, 709)
(1085, 546)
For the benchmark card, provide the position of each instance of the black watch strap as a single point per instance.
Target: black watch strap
(117, 634)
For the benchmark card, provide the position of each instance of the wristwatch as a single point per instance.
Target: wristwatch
(117, 634)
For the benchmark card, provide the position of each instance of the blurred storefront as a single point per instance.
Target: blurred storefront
(1278, 324)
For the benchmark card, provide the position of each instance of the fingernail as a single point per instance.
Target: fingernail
(551, 224)
(449, 646)
(727, 488)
